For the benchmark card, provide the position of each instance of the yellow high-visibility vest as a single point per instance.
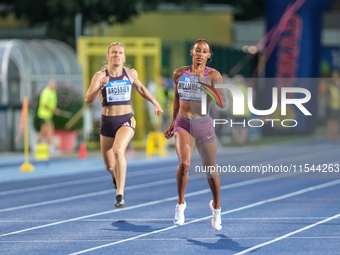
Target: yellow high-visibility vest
(48, 97)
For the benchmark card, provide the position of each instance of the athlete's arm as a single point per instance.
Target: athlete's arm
(215, 77)
(169, 132)
(177, 74)
(98, 82)
(144, 92)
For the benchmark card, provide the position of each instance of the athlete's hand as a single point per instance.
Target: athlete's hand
(169, 132)
(158, 109)
(56, 111)
(104, 81)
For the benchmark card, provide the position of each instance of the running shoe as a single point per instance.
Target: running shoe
(216, 220)
(114, 182)
(179, 214)
(119, 201)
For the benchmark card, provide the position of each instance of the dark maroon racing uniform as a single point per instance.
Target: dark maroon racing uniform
(116, 92)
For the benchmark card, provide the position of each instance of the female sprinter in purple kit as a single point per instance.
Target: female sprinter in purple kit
(192, 129)
(113, 84)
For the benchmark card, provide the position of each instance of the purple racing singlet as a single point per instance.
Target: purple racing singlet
(189, 89)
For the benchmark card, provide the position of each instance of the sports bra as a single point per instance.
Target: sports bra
(117, 91)
(189, 89)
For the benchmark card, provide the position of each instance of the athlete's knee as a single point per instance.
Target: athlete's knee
(109, 167)
(184, 166)
(212, 175)
(118, 154)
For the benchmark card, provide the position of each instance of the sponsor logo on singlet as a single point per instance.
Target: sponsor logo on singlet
(126, 124)
(119, 90)
(189, 89)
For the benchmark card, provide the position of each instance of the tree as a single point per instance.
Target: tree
(244, 9)
(59, 15)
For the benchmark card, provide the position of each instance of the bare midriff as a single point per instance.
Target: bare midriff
(190, 110)
(116, 110)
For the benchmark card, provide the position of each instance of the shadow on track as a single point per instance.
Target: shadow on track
(224, 243)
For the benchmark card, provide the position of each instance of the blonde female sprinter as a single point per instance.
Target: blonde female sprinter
(113, 84)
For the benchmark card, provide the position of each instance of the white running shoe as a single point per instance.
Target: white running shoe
(216, 220)
(179, 214)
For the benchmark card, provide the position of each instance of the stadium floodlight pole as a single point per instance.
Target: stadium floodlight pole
(78, 27)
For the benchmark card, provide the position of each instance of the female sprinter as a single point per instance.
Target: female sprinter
(113, 84)
(191, 128)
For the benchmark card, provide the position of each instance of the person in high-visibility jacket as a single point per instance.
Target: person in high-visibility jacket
(47, 109)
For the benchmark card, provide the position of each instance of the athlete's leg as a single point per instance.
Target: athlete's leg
(244, 135)
(234, 132)
(122, 139)
(106, 144)
(208, 158)
(50, 132)
(185, 146)
(42, 133)
(44, 130)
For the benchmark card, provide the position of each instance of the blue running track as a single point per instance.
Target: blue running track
(66, 206)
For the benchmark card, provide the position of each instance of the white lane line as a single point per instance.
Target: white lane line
(124, 240)
(233, 160)
(274, 150)
(300, 158)
(105, 192)
(299, 192)
(234, 185)
(167, 220)
(99, 193)
(321, 186)
(279, 218)
(287, 235)
(55, 185)
(297, 160)
(91, 215)
(166, 239)
(83, 181)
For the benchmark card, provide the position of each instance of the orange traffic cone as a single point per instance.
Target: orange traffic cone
(82, 150)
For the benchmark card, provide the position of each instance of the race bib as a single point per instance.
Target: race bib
(190, 89)
(117, 91)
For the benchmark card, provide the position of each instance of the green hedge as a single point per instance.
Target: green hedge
(69, 99)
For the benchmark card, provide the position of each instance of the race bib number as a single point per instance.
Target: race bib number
(189, 88)
(117, 91)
